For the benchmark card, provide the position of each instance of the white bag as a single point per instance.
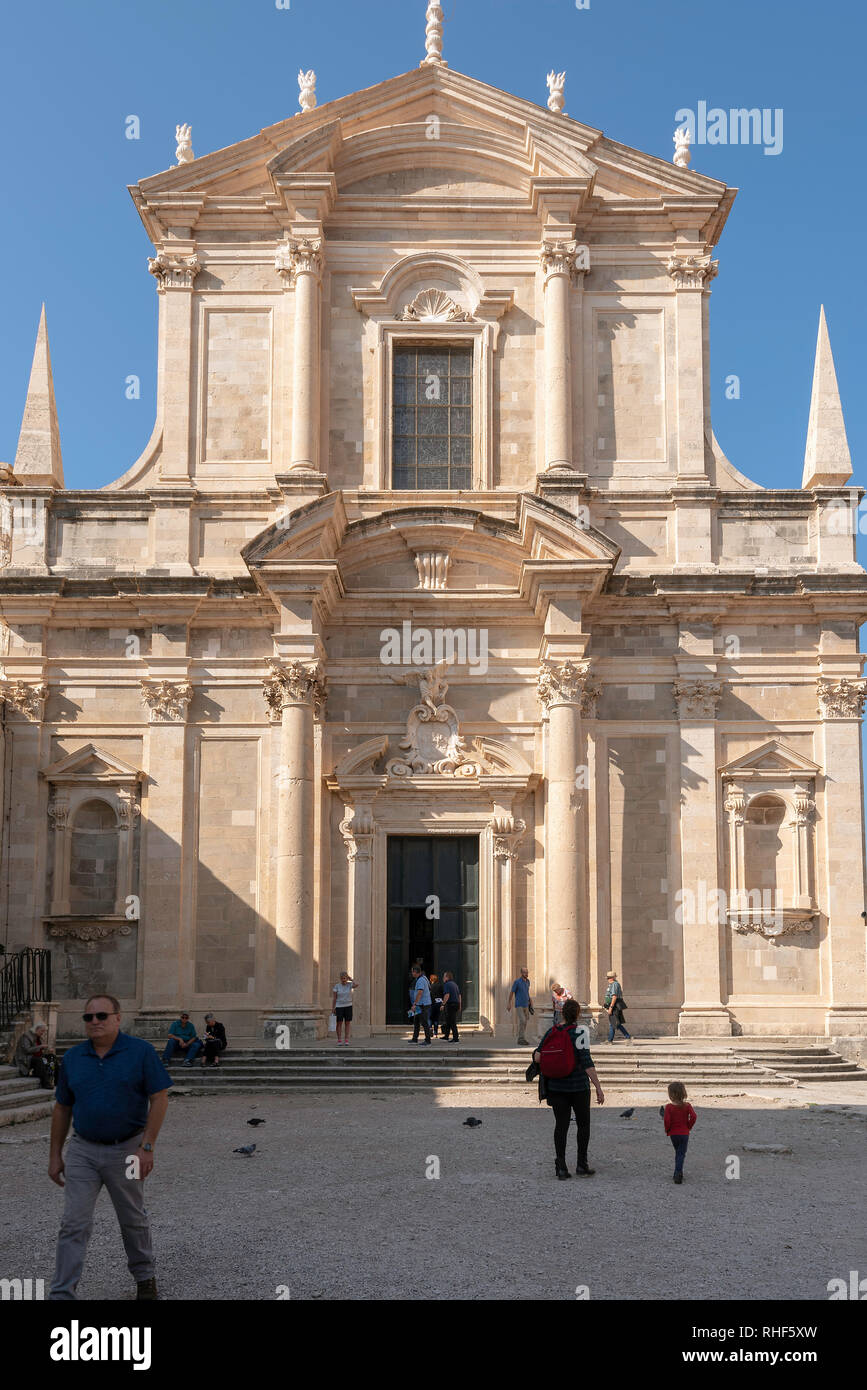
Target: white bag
(332, 1023)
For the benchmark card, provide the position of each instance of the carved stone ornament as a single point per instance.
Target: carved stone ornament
(508, 833)
(298, 256)
(691, 272)
(434, 306)
(842, 699)
(590, 698)
(29, 700)
(433, 37)
(564, 258)
(174, 272)
(735, 807)
(307, 89)
(433, 743)
(556, 91)
(166, 700)
(184, 139)
(5, 531)
(697, 698)
(293, 683)
(90, 934)
(564, 683)
(773, 926)
(128, 808)
(682, 155)
(357, 829)
(432, 567)
(58, 810)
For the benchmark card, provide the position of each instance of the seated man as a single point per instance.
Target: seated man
(215, 1041)
(183, 1035)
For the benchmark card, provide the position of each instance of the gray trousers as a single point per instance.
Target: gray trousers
(89, 1167)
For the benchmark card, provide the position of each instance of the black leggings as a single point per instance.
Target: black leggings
(563, 1106)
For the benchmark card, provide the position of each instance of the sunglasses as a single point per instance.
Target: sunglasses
(100, 1018)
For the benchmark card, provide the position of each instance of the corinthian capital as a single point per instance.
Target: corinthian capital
(29, 700)
(294, 683)
(691, 272)
(298, 256)
(842, 699)
(174, 272)
(564, 258)
(564, 683)
(166, 700)
(697, 698)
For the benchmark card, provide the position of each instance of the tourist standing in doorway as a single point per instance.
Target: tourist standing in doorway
(341, 1005)
(436, 1003)
(614, 1006)
(451, 1007)
(420, 996)
(523, 1001)
(570, 1093)
(559, 996)
(115, 1091)
(679, 1118)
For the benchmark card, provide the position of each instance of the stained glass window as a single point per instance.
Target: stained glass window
(432, 417)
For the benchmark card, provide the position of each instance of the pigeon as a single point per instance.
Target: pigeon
(627, 1114)
(247, 1149)
(256, 1122)
(472, 1122)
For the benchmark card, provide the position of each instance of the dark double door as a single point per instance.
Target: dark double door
(433, 916)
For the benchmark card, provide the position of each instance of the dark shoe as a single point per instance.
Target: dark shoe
(426, 1043)
(147, 1290)
(560, 1169)
(678, 1177)
(582, 1171)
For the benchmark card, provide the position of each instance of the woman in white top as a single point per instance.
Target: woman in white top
(341, 1005)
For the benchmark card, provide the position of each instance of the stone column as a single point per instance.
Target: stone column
(299, 261)
(357, 829)
(558, 259)
(297, 689)
(702, 1013)
(506, 835)
(691, 274)
(561, 690)
(841, 704)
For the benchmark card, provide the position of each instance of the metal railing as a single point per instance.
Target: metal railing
(25, 978)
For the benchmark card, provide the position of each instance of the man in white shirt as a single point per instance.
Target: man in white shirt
(341, 1005)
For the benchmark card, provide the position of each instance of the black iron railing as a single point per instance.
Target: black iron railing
(25, 978)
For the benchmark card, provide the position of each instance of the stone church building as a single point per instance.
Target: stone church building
(433, 622)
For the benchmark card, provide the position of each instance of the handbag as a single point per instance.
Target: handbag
(332, 1023)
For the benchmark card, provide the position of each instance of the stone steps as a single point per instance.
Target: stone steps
(22, 1099)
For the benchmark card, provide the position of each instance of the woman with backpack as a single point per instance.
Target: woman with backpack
(566, 1070)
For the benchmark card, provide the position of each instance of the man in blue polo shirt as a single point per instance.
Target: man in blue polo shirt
(115, 1090)
(520, 994)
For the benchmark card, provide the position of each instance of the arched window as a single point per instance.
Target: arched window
(767, 853)
(93, 859)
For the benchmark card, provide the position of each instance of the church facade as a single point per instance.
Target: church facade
(433, 622)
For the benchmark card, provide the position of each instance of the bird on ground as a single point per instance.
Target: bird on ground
(247, 1149)
(627, 1114)
(256, 1122)
(472, 1122)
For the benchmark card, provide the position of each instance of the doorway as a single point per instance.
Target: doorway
(433, 917)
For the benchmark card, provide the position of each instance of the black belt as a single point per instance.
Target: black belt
(108, 1143)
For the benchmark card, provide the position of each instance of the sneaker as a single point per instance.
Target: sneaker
(678, 1177)
(147, 1289)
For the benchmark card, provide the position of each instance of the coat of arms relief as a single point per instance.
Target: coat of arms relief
(433, 741)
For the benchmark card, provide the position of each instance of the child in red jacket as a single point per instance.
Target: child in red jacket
(679, 1118)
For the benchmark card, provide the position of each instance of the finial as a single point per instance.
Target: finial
(184, 152)
(433, 38)
(827, 461)
(556, 90)
(38, 461)
(681, 147)
(307, 83)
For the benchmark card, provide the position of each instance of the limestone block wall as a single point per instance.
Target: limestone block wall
(236, 417)
(227, 885)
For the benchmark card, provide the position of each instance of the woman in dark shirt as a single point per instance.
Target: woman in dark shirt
(571, 1094)
(215, 1041)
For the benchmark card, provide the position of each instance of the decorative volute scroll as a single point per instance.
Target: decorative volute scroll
(29, 700)
(691, 272)
(434, 306)
(174, 272)
(357, 829)
(294, 683)
(564, 258)
(432, 567)
(433, 743)
(166, 700)
(566, 683)
(841, 699)
(508, 833)
(697, 697)
(298, 256)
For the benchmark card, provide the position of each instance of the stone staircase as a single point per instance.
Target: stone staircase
(622, 1067)
(22, 1099)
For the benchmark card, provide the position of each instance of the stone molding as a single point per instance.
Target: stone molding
(773, 926)
(174, 272)
(697, 697)
(691, 272)
(432, 567)
(298, 256)
(841, 699)
(28, 700)
(166, 700)
(89, 934)
(566, 683)
(294, 683)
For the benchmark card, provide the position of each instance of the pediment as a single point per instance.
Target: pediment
(772, 759)
(91, 764)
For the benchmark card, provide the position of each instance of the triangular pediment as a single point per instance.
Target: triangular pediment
(772, 758)
(91, 764)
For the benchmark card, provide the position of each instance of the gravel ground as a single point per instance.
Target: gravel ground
(328, 1206)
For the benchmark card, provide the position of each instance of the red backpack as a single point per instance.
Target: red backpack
(557, 1053)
